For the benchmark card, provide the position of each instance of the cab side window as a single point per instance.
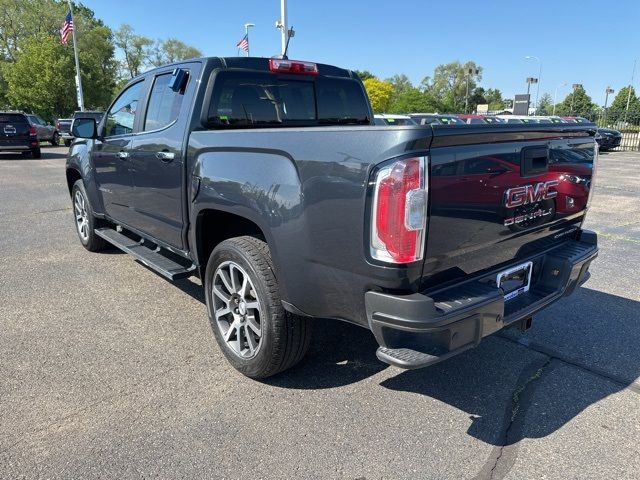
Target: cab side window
(122, 114)
(164, 104)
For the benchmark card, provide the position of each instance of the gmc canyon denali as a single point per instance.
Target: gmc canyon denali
(268, 180)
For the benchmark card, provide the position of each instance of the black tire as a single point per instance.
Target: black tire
(90, 241)
(55, 140)
(67, 143)
(35, 153)
(26, 154)
(285, 337)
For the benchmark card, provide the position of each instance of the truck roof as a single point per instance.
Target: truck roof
(250, 63)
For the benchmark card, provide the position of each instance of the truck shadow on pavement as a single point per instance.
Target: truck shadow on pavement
(514, 385)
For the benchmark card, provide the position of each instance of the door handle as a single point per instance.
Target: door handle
(165, 156)
(123, 155)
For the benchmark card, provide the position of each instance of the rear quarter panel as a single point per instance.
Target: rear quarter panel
(306, 188)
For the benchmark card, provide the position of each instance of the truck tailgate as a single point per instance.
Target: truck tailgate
(502, 193)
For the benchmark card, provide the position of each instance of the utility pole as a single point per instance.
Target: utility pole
(633, 74)
(606, 98)
(75, 52)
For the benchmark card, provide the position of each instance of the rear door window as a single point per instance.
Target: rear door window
(243, 100)
(164, 104)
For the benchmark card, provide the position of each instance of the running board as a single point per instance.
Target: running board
(151, 258)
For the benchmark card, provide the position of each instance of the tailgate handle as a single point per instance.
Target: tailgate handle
(534, 161)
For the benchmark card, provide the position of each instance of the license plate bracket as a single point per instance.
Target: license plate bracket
(515, 280)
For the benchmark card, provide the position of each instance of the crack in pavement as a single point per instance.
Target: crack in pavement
(497, 459)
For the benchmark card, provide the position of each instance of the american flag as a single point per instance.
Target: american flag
(66, 29)
(244, 43)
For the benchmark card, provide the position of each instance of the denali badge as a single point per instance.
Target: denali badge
(516, 196)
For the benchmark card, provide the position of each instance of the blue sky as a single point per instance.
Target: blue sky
(588, 41)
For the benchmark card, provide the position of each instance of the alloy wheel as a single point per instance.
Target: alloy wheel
(82, 218)
(237, 309)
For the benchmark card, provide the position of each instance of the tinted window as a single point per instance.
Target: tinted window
(12, 118)
(164, 104)
(476, 121)
(121, 116)
(35, 120)
(247, 99)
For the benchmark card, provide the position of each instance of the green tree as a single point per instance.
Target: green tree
(545, 105)
(412, 100)
(448, 86)
(172, 50)
(135, 48)
(619, 104)
(41, 77)
(577, 103)
(30, 44)
(364, 74)
(379, 93)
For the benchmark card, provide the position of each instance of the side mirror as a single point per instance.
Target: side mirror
(84, 128)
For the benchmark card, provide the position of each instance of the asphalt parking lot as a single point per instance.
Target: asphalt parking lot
(107, 370)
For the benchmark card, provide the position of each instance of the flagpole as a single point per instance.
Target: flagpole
(75, 52)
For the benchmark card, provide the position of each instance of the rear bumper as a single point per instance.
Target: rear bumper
(419, 330)
(17, 148)
(66, 136)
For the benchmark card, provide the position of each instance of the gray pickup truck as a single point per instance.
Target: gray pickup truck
(267, 179)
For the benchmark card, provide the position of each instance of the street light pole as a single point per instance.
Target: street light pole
(539, 76)
(606, 98)
(530, 80)
(633, 74)
(575, 87)
(469, 72)
(555, 97)
(247, 26)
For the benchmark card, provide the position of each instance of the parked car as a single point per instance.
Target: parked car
(493, 120)
(18, 135)
(607, 138)
(46, 131)
(267, 179)
(388, 119)
(64, 124)
(473, 119)
(436, 119)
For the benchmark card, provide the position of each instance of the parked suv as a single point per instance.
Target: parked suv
(46, 131)
(18, 135)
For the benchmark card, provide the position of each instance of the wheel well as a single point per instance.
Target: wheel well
(215, 226)
(73, 176)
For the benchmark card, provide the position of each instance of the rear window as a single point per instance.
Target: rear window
(242, 100)
(13, 118)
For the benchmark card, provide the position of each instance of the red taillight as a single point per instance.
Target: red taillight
(293, 66)
(33, 130)
(57, 125)
(400, 212)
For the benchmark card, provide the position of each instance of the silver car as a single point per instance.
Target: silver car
(46, 131)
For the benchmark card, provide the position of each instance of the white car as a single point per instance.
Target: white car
(387, 119)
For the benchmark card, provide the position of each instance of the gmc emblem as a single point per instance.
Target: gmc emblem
(516, 196)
